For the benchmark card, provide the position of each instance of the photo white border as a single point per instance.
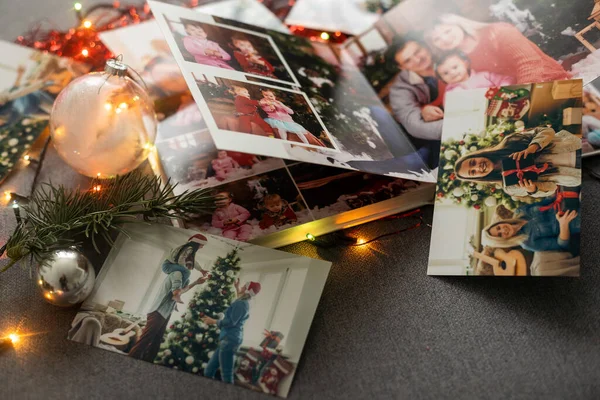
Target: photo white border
(230, 140)
(168, 17)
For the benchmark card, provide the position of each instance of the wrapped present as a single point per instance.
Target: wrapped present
(567, 199)
(515, 171)
(272, 339)
(572, 115)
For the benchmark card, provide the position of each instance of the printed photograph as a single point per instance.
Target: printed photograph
(144, 49)
(591, 118)
(422, 49)
(29, 83)
(229, 48)
(508, 192)
(192, 161)
(255, 206)
(263, 111)
(204, 305)
(369, 138)
(329, 191)
(362, 132)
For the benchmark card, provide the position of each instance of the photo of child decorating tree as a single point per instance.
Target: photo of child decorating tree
(259, 110)
(510, 182)
(255, 206)
(205, 305)
(421, 49)
(230, 49)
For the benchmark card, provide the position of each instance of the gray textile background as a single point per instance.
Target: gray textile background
(383, 328)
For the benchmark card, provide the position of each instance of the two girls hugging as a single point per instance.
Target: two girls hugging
(232, 218)
(279, 117)
(209, 52)
(540, 224)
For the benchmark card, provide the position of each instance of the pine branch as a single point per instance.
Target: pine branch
(57, 216)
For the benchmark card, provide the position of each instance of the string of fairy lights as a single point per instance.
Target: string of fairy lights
(82, 43)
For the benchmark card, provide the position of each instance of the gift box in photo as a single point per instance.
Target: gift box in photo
(515, 171)
(272, 339)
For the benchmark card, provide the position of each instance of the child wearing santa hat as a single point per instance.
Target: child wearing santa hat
(232, 332)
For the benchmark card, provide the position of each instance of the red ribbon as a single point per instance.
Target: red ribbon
(560, 196)
(272, 335)
(521, 171)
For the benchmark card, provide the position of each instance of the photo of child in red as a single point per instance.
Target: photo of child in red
(231, 218)
(223, 165)
(277, 212)
(204, 51)
(249, 58)
(280, 119)
(246, 111)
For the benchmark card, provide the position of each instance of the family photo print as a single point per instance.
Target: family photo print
(205, 305)
(509, 186)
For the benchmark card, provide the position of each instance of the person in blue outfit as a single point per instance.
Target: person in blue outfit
(232, 332)
(537, 227)
(177, 266)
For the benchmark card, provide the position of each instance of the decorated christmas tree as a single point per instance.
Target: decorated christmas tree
(189, 343)
(470, 194)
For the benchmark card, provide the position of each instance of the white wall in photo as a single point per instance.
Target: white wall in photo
(464, 112)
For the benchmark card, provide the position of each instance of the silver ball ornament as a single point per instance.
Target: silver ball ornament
(66, 279)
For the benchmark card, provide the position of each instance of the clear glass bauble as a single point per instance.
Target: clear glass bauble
(103, 124)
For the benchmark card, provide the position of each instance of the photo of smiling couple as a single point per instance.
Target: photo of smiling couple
(509, 181)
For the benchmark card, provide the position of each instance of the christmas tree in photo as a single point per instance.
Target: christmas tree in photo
(189, 343)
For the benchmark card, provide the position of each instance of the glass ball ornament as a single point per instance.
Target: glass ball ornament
(103, 123)
(67, 278)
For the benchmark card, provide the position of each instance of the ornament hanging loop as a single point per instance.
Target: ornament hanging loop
(116, 67)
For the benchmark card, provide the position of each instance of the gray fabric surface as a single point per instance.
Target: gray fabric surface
(383, 328)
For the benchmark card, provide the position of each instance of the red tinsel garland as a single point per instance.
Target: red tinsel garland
(83, 44)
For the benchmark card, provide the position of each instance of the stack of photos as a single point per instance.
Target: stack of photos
(508, 193)
(278, 95)
(270, 195)
(205, 305)
(591, 118)
(421, 50)
(29, 82)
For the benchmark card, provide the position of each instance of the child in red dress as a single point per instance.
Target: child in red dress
(246, 110)
(249, 59)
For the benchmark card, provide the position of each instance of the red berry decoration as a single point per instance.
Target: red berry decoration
(493, 189)
(190, 334)
(440, 195)
(477, 206)
(461, 142)
(201, 313)
(452, 176)
(172, 326)
(501, 134)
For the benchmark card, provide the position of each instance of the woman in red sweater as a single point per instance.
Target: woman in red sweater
(495, 47)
